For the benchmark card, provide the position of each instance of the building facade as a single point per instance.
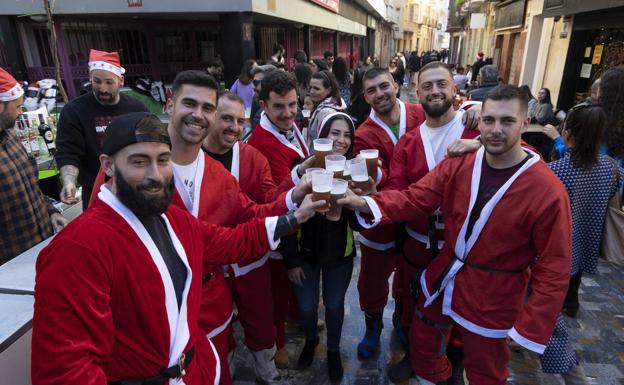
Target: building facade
(158, 38)
(420, 26)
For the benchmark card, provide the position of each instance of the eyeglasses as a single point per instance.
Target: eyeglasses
(256, 83)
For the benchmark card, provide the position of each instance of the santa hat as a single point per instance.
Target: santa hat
(106, 61)
(33, 87)
(480, 54)
(9, 87)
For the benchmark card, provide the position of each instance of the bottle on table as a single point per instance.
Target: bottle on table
(48, 136)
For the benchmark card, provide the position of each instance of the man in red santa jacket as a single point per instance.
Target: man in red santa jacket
(507, 219)
(415, 154)
(117, 294)
(212, 194)
(251, 282)
(280, 141)
(389, 120)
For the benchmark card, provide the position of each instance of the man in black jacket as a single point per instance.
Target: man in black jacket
(83, 122)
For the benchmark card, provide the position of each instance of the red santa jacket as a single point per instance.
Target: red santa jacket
(374, 134)
(253, 173)
(411, 161)
(484, 287)
(219, 200)
(280, 153)
(101, 316)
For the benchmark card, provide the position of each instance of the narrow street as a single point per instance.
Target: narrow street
(597, 335)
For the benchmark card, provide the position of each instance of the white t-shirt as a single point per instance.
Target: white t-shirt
(441, 137)
(188, 173)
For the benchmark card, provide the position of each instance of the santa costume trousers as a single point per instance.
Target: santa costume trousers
(485, 359)
(375, 269)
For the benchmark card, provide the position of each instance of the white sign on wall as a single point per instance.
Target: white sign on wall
(477, 21)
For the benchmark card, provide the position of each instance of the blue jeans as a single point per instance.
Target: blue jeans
(336, 280)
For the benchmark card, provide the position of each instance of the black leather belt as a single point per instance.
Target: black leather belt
(490, 269)
(176, 371)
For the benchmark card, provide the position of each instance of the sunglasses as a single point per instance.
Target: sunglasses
(256, 83)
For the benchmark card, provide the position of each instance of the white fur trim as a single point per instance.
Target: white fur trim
(525, 342)
(235, 169)
(238, 270)
(422, 238)
(14, 93)
(106, 66)
(402, 123)
(179, 332)
(218, 330)
(375, 211)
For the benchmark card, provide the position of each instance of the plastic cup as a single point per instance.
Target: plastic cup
(322, 148)
(338, 190)
(372, 161)
(335, 164)
(359, 173)
(321, 187)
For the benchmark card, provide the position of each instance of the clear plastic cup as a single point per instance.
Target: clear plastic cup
(372, 161)
(322, 148)
(338, 190)
(335, 164)
(321, 187)
(359, 173)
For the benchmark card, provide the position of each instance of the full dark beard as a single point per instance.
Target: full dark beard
(133, 198)
(436, 112)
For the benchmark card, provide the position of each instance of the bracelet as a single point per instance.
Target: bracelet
(292, 221)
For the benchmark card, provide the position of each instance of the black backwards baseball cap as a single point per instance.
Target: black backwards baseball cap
(122, 132)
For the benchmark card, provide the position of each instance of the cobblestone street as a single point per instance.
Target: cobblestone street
(597, 335)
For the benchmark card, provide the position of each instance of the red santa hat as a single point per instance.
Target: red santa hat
(106, 61)
(9, 87)
(480, 54)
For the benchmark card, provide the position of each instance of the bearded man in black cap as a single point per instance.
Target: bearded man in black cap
(118, 291)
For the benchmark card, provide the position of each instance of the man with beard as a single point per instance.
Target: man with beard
(251, 283)
(210, 193)
(26, 216)
(502, 207)
(388, 121)
(83, 122)
(415, 154)
(118, 292)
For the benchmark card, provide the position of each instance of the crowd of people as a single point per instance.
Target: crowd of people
(187, 228)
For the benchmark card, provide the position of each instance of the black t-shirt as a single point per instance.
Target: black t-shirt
(492, 179)
(224, 159)
(81, 128)
(157, 230)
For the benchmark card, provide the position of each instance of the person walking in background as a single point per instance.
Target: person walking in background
(328, 58)
(303, 74)
(476, 66)
(532, 100)
(543, 113)
(343, 77)
(243, 86)
(278, 53)
(591, 180)
(488, 79)
(460, 79)
(325, 93)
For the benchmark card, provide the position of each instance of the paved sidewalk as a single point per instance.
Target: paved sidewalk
(597, 335)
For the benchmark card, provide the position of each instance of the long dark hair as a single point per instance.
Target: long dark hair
(527, 91)
(612, 100)
(324, 131)
(329, 81)
(303, 73)
(245, 76)
(585, 124)
(547, 99)
(339, 69)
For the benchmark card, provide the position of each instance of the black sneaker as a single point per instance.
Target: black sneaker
(307, 354)
(334, 367)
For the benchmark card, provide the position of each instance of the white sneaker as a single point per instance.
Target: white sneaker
(264, 366)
